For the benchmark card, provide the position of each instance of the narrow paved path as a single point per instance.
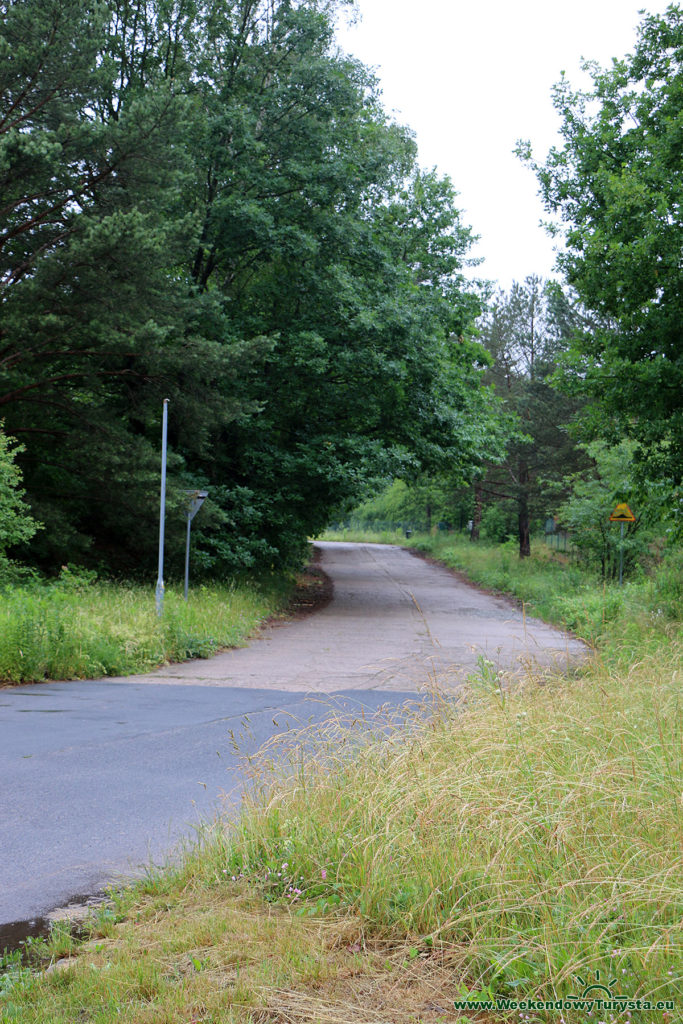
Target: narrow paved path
(99, 777)
(397, 622)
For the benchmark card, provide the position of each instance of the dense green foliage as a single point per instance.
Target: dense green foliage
(426, 502)
(617, 184)
(593, 372)
(16, 522)
(207, 202)
(594, 496)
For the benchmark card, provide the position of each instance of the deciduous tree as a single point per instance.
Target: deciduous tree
(616, 185)
(208, 203)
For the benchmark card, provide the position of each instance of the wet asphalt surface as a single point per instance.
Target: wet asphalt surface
(101, 778)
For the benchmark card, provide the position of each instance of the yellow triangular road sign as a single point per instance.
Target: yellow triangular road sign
(622, 514)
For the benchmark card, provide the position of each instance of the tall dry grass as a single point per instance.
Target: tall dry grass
(538, 831)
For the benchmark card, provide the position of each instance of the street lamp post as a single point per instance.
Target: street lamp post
(159, 593)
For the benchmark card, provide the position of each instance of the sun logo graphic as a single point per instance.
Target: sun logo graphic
(597, 994)
(595, 990)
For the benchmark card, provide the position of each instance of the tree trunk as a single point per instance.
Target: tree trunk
(429, 516)
(478, 504)
(523, 510)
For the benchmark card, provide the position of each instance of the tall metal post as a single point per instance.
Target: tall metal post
(159, 594)
(622, 514)
(187, 553)
(621, 557)
(196, 499)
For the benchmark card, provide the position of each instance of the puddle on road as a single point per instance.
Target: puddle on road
(14, 934)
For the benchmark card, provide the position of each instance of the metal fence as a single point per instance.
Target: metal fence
(557, 538)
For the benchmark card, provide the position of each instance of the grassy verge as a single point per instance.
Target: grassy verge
(512, 844)
(77, 629)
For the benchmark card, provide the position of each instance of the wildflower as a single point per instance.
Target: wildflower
(323, 874)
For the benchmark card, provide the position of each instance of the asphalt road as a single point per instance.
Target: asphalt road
(100, 778)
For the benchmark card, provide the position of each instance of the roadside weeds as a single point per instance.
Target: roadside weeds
(88, 630)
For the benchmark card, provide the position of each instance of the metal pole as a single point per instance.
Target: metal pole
(159, 595)
(621, 557)
(187, 554)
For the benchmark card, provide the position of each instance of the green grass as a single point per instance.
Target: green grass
(396, 536)
(509, 842)
(79, 630)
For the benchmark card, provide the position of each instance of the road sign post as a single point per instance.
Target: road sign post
(622, 514)
(621, 555)
(197, 499)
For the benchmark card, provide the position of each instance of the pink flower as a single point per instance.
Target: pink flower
(324, 874)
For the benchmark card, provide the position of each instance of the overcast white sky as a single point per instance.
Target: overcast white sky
(470, 77)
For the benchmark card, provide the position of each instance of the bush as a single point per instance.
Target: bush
(586, 513)
(496, 524)
(16, 523)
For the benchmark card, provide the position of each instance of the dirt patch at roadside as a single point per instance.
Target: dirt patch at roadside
(314, 590)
